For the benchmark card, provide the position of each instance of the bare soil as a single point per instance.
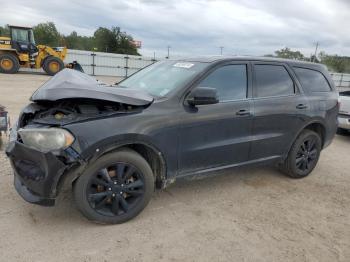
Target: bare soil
(247, 214)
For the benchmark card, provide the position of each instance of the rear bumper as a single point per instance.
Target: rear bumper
(344, 121)
(36, 174)
(3, 123)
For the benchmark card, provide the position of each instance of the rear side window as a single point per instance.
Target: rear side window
(230, 82)
(272, 80)
(311, 80)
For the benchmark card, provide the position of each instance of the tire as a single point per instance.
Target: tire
(342, 131)
(96, 186)
(52, 65)
(299, 162)
(9, 64)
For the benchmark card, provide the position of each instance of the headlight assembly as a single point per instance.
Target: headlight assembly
(46, 139)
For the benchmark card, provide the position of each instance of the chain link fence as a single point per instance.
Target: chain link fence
(341, 81)
(108, 64)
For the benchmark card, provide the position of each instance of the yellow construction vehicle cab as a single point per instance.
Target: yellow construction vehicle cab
(20, 50)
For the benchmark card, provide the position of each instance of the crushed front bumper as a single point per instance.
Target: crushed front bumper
(36, 174)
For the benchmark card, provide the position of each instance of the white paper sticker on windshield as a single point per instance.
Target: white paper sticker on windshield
(184, 65)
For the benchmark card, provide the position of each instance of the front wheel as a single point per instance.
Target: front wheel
(304, 155)
(115, 188)
(53, 65)
(9, 63)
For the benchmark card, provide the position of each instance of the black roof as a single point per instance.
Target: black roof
(21, 27)
(214, 59)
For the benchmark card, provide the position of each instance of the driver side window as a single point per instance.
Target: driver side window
(230, 82)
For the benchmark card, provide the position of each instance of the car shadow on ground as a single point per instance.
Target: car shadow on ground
(251, 178)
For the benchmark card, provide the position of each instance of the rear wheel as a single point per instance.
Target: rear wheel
(115, 188)
(304, 155)
(53, 65)
(9, 64)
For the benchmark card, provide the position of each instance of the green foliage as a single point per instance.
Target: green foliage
(4, 31)
(339, 64)
(289, 54)
(104, 40)
(46, 34)
(113, 41)
(335, 63)
(75, 41)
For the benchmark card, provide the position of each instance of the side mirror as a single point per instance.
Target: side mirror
(202, 96)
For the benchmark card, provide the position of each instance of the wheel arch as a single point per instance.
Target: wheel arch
(316, 126)
(150, 153)
(154, 157)
(319, 128)
(9, 51)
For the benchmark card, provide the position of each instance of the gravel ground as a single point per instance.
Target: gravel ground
(248, 214)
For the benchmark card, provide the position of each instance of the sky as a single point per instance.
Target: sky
(199, 27)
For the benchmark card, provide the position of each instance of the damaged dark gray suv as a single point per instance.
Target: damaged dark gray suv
(173, 119)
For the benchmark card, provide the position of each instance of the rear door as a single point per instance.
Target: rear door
(218, 135)
(279, 110)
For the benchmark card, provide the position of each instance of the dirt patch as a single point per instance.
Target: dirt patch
(249, 214)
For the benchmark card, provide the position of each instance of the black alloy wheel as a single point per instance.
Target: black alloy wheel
(303, 155)
(306, 155)
(114, 188)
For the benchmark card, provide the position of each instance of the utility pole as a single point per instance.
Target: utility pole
(168, 47)
(315, 52)
(221, 48)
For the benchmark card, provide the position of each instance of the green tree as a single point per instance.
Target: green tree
(114, 41)
(104, 40)
(289, 54)
(74, 41)
(4, 31)
(47, 34)
(339, 64)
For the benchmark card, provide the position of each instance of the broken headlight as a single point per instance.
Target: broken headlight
(46, 139)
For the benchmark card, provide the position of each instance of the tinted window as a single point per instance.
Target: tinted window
(230, 82)
(272, 80)
(311, 80)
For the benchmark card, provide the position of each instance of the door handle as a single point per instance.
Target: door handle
(301, 106)
(243, 112)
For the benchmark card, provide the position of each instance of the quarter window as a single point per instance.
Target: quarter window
(230, 82)
(311, 80)
(272, 80)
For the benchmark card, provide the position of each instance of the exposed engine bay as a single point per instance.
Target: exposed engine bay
(64, 112)
(71, 96)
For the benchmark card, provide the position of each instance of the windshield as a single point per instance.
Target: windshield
(164, 76)
(20, 35)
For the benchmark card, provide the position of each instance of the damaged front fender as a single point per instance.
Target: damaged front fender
(37, 174)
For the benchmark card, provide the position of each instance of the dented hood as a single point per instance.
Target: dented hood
(69, 84)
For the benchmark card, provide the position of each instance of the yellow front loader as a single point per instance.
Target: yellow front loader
(20, 50)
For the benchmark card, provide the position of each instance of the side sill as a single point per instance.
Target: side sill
(204, 172)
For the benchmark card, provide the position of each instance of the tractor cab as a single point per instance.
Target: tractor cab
(20, 50)
(22, 39)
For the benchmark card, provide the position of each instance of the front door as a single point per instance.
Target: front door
(218, 135)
